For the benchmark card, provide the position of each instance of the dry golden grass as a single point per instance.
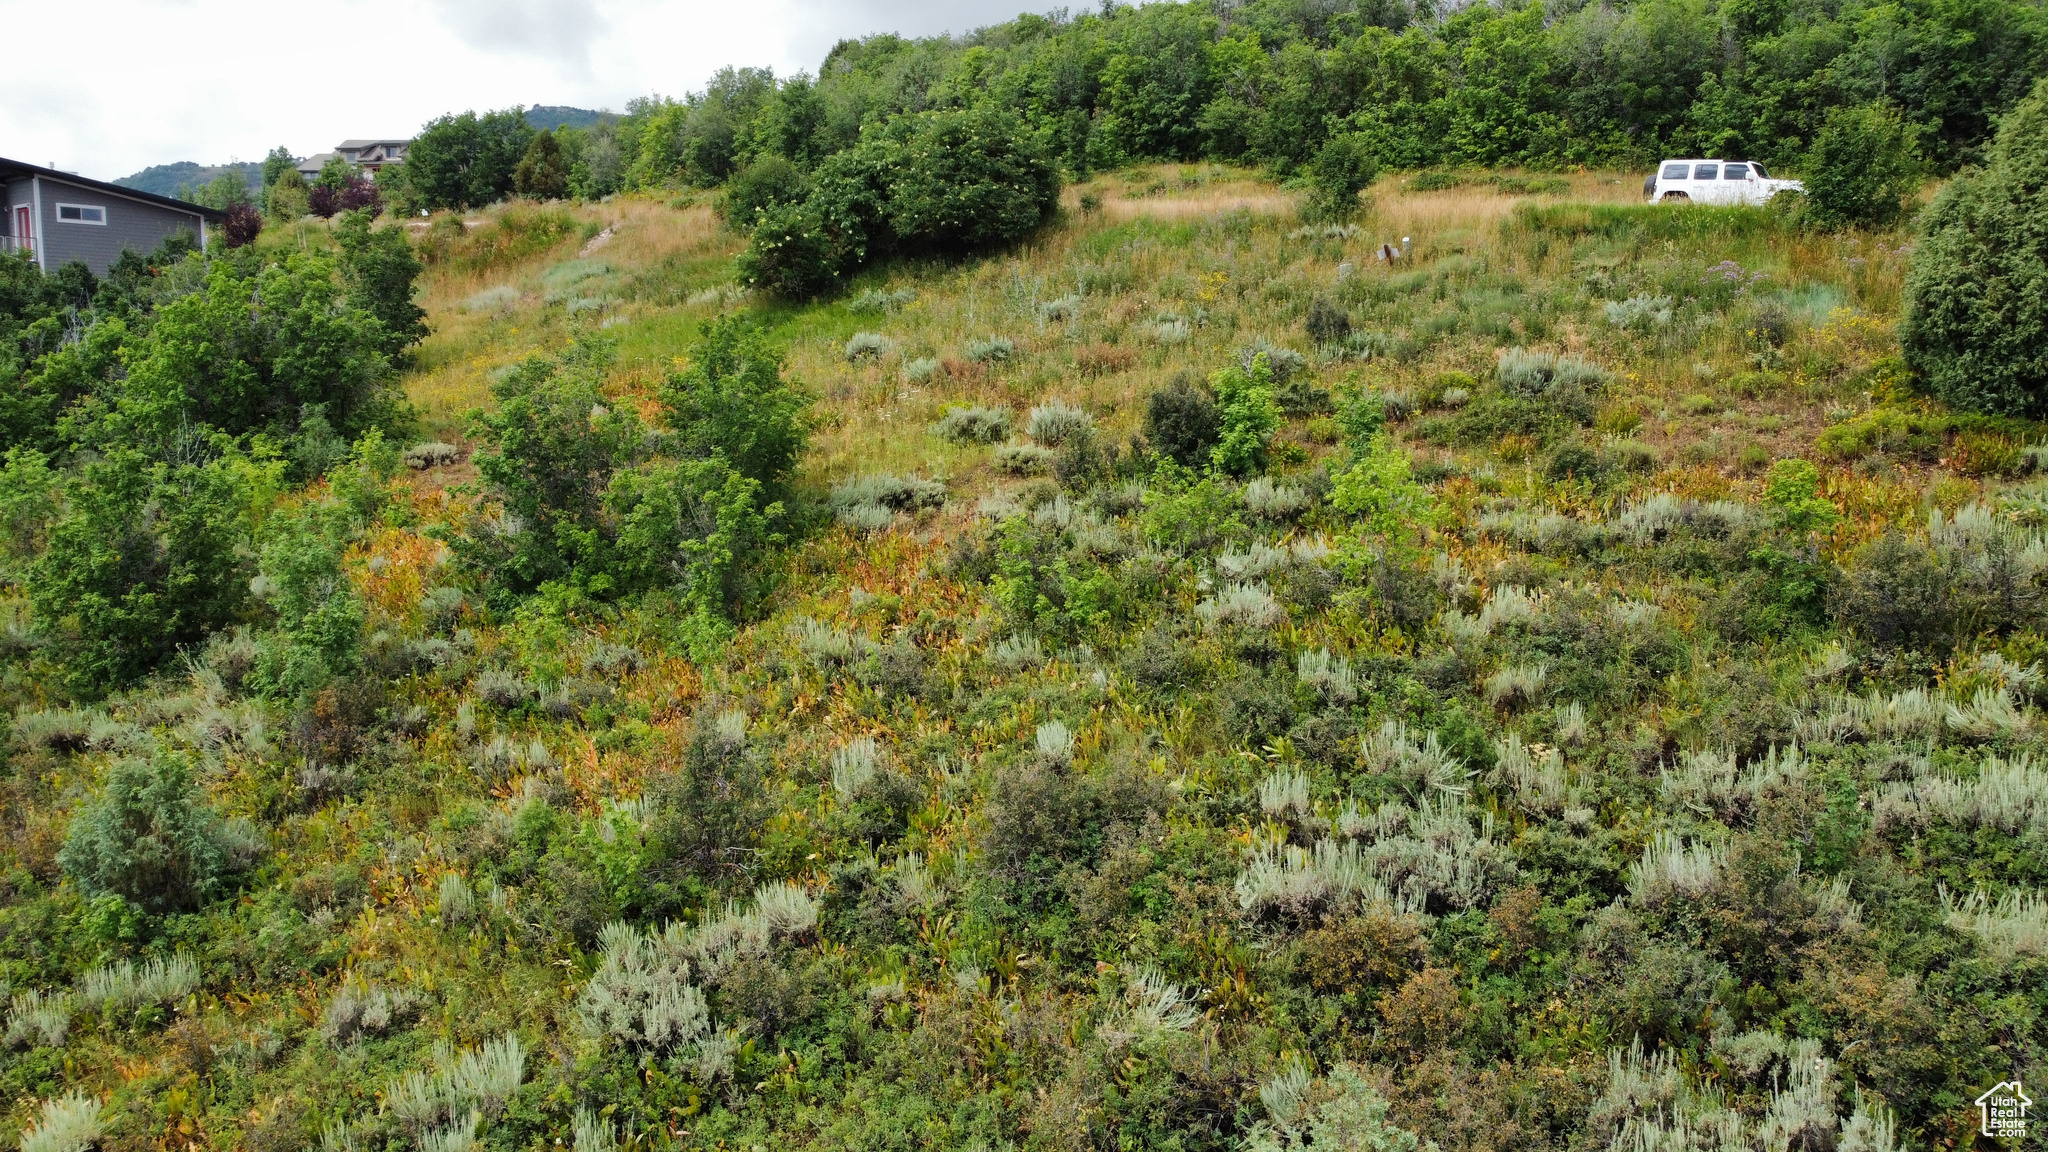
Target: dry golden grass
(1220, 249)
(1224, 273)
(632, 235)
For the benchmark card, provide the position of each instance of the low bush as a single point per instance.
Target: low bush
(433, 454)
(1972, 327)
(1341, 169)
(869, 502)
(1103, 360)
(1056, 422)
(865, 346)
(1327, 323)
(1862, 169)
(1895, 594)
(994, 350)
(975, 425)
(1023, 459)
(150, 837)
(1182, 423)
(769, 182)
(1247, 416)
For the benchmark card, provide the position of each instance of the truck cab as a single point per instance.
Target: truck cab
(1714, 182)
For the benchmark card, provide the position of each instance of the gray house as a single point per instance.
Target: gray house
(368, 155)
(56, 217)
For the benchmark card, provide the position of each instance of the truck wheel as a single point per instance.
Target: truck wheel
(1673, 197)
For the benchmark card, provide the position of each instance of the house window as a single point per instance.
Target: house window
(81, 214)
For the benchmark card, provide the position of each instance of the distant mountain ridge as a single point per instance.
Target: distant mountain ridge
(189, 177)
(561, 115)
(186, 177)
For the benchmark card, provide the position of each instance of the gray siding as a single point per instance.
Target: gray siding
(12, 192)
(131, 224)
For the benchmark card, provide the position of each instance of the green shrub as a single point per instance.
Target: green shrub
(794, 254)
(1890, 430)
(1863, 166)
(1377, 487)
(704, 812)
(541, 172)
(143, 559)
(551, 450)
(1181, 422)
(1896, 594)
(699, 527)
(1496, 415)
(732, 402)
(1640, 223)
(1976, 308)
(379, 272)
(942, 183)
(249, 352)
(1793, 488)
(1328, 324)
(1247, 416)
(1574, 461)
(1048, 817)
(1434, 181)
(1531, 185)
(466, 161)
(974, 425)
(320, 617)
(1362, 416)
(595, 503)
(151, 838)
(1023, 459)
(303, 579)
(965, 181)
(769, 182)
(1340, 171)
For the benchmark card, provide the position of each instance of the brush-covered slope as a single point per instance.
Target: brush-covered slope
(1205, 687)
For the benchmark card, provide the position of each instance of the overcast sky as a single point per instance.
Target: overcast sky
(122, 84)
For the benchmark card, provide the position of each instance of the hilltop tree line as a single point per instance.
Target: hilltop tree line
(1274, 82)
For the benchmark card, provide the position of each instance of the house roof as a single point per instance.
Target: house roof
(347, 145)
(2009, 1088)
(16, 169)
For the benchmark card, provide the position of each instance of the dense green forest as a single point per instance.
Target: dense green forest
(1181, 578)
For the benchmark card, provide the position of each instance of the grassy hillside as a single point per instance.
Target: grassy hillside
(1520, 759)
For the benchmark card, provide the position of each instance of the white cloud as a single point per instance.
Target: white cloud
(212, 80)
(558, 30)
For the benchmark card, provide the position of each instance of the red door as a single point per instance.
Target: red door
(24, 236)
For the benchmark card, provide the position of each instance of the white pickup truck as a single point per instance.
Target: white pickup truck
(1714, 182)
